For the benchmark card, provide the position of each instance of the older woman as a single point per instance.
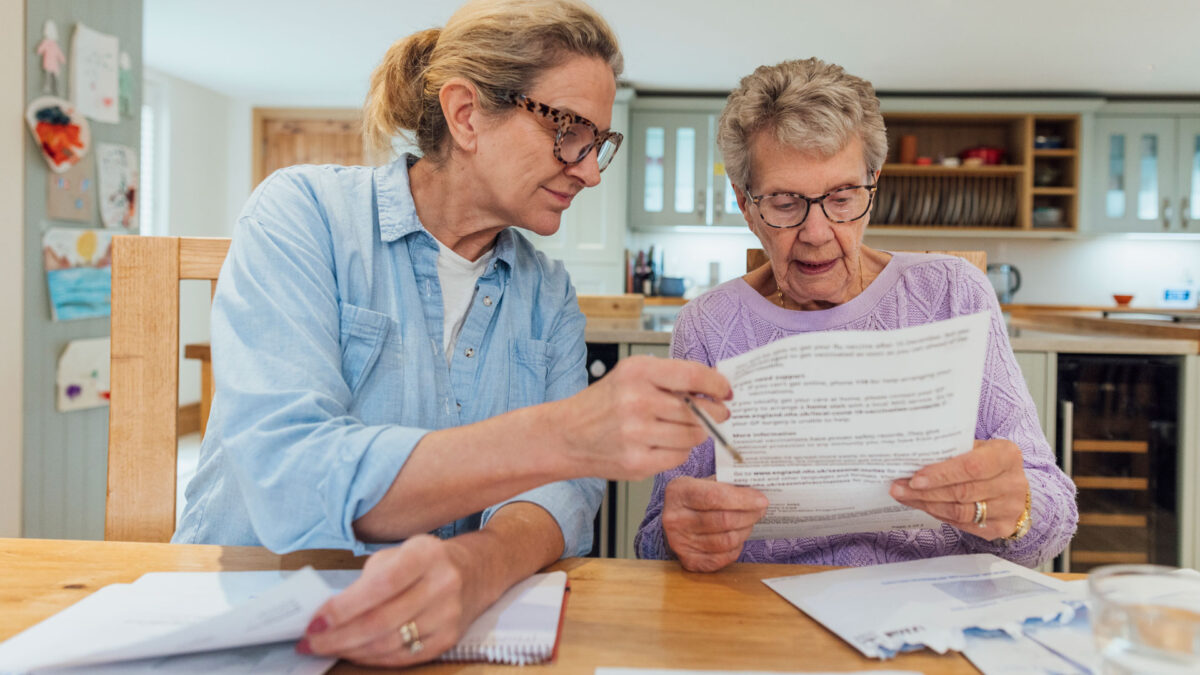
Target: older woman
(393, 358)
(803, 144)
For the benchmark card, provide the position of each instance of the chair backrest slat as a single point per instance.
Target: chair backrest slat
(144, 379)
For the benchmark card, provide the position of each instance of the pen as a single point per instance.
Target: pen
(712, 428)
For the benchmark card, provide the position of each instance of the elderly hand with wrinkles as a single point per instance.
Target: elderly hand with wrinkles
(989, 480)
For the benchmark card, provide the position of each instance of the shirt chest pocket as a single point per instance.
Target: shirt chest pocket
(364, 334)
(527, 369)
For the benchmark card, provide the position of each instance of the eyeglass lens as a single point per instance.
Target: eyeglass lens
(785, 210)
(579, 139)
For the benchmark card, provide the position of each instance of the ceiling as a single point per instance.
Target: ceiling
(321, 52)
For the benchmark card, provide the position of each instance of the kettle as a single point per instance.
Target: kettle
(1006, 280)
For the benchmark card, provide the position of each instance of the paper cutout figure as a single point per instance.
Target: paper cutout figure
(53, 58)
(118, 185)
(94, 80)
(125, 86)
(63, 136)
(69, 195)
(78, 272)
(83, 375)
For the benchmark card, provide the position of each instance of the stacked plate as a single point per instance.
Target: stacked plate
(953, 201)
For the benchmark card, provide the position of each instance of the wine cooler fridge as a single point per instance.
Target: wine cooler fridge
(1119, 441)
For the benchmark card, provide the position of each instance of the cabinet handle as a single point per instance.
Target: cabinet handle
(1183, 212)
(701, 204)
(1166, 211)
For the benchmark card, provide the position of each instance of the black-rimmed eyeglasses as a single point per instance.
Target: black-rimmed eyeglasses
(576, 135)
(784, 210)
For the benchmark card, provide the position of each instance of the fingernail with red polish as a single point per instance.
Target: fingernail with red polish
(303, 648)
(318, 625)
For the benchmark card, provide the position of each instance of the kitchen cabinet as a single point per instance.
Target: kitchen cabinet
(677, 176)
(1147, 173)
(591, 239)
(1031, 184)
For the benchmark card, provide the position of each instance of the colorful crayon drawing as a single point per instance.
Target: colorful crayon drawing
(62, 135)
(78, 272)
(82, 380)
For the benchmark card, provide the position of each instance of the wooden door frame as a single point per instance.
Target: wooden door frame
(260, 117)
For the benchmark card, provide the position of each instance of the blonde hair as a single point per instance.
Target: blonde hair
(500, 46)
(809, 105)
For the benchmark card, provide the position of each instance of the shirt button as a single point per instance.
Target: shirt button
(487, 301)
(469, 352)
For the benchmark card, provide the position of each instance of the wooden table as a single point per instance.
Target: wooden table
(631, 613)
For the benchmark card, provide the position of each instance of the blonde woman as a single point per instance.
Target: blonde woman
(393, 358)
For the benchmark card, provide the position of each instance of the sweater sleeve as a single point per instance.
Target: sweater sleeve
(1006, 410)
(650, 542)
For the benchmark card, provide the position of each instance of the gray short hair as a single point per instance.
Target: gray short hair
(810, 105)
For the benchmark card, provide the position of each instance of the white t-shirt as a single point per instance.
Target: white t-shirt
(458, 277)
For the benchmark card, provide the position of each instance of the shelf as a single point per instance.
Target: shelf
(1113, 519)
(1058, 191)
(934, 170)
(1111, 483)
(1055, 152)
(1108, 557)
(1141, 447)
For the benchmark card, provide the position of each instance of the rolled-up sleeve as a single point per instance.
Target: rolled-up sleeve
(573, 503)
(306, 468)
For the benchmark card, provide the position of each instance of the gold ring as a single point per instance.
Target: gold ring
(411, 636)
(980, 513)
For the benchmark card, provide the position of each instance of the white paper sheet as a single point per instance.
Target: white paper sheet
(165, 615)
(883, 609)
(94, 76)
(826, 421)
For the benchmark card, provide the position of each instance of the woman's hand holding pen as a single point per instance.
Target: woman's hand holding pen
(706, 523)
(633, 424)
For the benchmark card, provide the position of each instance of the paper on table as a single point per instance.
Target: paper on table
(1003, 654)
(883, 609)
(673, 671)
(826, 421)
(172, 614)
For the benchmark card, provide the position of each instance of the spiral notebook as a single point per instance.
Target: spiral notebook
(521, 628)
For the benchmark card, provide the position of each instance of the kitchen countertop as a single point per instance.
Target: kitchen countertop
(1030, 335)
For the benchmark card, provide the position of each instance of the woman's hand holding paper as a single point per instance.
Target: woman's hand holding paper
(982, 491)
(411, 603)
(706, 522)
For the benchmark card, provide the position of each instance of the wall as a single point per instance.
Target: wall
(198, 157)
(1083, 271)
(65, 454)
(12, 263)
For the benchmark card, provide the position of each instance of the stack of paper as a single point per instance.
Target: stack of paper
(886, 609)
(200, 622)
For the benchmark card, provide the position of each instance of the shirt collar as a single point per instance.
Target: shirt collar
(398, 212)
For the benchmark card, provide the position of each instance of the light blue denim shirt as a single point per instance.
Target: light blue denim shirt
(327, 356)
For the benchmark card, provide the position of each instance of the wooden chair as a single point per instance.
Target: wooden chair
(144, 378)
(756, 257)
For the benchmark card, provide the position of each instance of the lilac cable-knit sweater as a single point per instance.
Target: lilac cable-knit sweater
(913, 289)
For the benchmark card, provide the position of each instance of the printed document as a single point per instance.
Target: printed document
(826, 421)
(884, 609)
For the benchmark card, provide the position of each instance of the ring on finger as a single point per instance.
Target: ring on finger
(411, 636)
(415, 646)
(980, 518)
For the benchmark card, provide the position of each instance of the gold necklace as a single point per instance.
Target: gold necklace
(862, 283)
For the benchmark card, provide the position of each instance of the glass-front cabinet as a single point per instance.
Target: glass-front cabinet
(1148, 172)
(676, 173)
